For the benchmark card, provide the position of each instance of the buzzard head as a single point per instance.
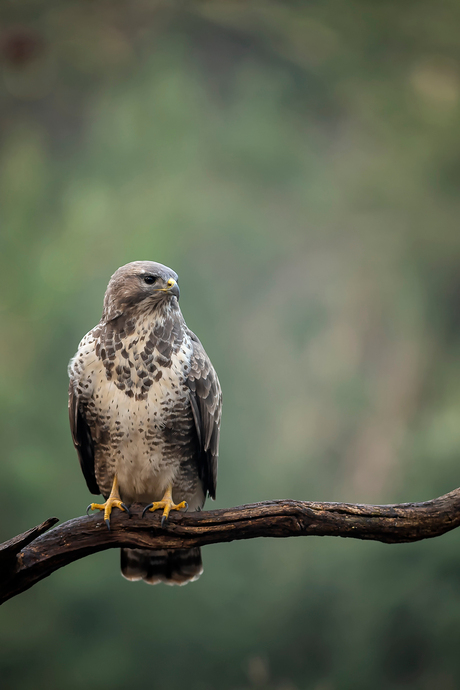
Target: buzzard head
(139, 285)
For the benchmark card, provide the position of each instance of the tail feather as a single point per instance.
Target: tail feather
(175, 567)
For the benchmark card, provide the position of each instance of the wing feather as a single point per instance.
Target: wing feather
(206, 402)
(82, 439)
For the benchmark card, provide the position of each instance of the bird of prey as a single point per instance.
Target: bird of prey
(145, 411)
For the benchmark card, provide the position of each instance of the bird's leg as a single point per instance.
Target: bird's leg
(167, 504)
(113, 501)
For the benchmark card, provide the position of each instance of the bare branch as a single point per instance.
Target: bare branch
(34, 555)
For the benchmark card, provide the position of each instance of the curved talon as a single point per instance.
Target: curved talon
(146, 509)
(185, 507)
(164, 519)
(88, 508)
(126, 509)
(107, 522)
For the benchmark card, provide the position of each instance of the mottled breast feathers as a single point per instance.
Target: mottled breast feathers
(136, 378)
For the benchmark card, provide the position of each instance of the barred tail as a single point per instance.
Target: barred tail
(175, 567)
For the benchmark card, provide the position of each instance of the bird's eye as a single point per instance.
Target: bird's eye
(149, 279)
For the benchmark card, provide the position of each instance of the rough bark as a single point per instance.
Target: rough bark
(37, 553)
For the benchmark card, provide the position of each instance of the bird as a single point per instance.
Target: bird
(145, 408)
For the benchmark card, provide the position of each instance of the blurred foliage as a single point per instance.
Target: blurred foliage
(298, 165)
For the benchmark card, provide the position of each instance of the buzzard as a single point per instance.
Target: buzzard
(145, 410)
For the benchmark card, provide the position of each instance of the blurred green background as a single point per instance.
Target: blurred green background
(298, 164)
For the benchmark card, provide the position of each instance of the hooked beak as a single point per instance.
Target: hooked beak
(172, 288)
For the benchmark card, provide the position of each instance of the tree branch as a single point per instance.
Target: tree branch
(32, 556)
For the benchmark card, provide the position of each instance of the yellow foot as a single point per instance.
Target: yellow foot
(113, 501)
(107, 507)
(166, 504)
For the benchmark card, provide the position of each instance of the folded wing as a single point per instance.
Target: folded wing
(206, 401)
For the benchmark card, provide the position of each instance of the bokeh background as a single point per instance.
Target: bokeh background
(298, 164)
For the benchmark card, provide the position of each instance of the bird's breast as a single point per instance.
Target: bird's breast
(138, 405)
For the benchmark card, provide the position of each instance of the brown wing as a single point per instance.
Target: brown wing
(82, 439)
(206, 400)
